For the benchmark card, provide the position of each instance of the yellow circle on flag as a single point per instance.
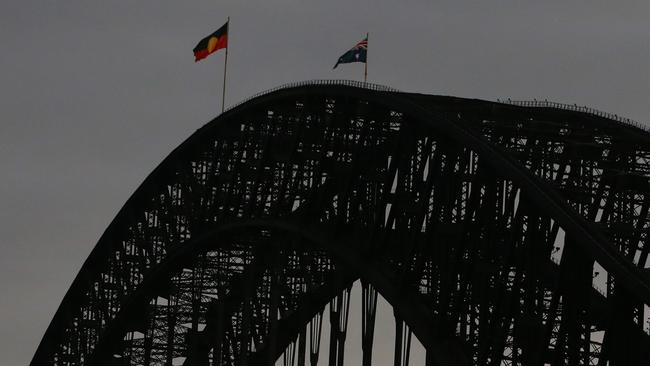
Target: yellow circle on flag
(212, 44)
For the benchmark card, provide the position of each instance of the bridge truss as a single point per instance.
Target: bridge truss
(499, 234)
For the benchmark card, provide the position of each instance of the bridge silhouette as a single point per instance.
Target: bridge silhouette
(500, 233)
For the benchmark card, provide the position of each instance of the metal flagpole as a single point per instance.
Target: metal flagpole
(225, 66)
(365, 71)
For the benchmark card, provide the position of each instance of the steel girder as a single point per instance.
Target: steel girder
(488, 218)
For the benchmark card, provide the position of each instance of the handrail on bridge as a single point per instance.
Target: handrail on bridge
(343, 82)
(520, 103)
(575, 108)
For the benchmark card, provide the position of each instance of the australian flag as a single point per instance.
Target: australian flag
(357, 53)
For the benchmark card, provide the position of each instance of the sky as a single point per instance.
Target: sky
(94, 94)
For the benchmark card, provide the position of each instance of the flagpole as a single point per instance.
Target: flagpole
(225, 67)
(365, 71)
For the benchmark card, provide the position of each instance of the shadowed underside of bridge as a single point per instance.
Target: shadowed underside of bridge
(499, 234)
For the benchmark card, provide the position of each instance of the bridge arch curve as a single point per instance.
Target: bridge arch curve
(347, 267)
(390, 167)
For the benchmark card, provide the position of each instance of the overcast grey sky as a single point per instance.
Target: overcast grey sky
(94, 94)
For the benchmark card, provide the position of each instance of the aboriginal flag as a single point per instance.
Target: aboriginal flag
(211, 43)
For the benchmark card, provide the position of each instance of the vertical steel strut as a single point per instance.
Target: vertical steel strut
(339, 309)
(402, 341)
(368, 312)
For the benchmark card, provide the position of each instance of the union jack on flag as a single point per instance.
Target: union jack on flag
(358, 53)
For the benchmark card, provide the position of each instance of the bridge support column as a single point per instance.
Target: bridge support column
(402, 341)
(339, 309)
(315, 328)
(368, 312)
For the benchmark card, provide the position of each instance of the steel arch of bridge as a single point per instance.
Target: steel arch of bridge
(490, 219)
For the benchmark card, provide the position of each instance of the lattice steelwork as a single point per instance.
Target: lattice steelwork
(500, 235)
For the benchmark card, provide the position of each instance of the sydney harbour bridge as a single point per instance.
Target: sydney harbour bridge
(499, 233)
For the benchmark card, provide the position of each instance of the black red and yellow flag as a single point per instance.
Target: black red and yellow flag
(211, 43)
